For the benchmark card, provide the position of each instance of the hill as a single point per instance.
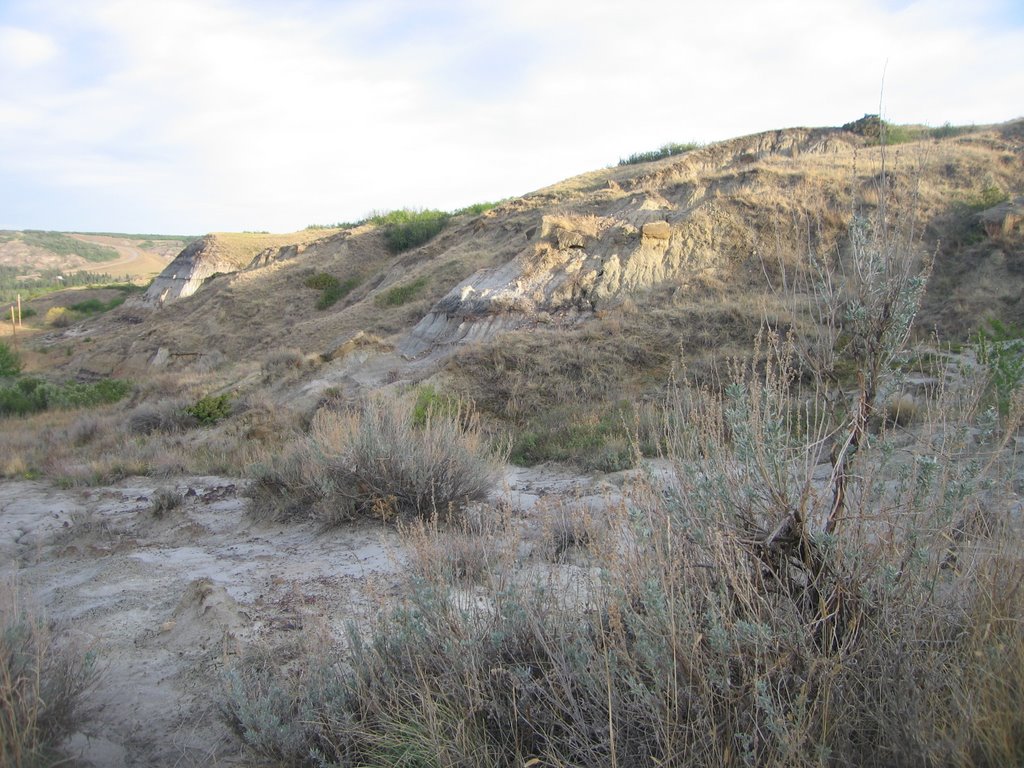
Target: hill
(35, 254)
(652, 465)
(671, 251)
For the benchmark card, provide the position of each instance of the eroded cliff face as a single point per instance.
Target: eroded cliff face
(673, 222)
(223, 253)
(184, 276)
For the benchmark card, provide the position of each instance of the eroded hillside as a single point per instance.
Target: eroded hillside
(684, 238)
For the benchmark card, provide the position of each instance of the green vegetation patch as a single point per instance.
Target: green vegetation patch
(878, 131)
(63, 245)
(601, 439)
(401, 294)
(211, 409)
(30, 395)
(476, 209)
(667, 150)
(333, 289)
(95, 306)
(406, 228)
(16, 281)
(10, 361)
(1001, 352)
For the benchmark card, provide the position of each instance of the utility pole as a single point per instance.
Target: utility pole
(14, 329)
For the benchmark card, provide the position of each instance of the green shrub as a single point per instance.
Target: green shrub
(336, 292)
(600, 440)
(333, 289)
(10, 361)
(406, 229)
(30, 395)
(321, 281)
(430, 403)
(1001, 352)
(400, 294)
(94, 306)
(211, 409)
(475, 209)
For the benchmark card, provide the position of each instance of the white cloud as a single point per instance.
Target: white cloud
(22, 49)
(231, 115)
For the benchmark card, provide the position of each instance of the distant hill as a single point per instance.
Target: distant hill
(33, 262)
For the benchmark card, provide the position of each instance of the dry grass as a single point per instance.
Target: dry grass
(376, 462)
(701, 632)
(43, 679)
(806, 586)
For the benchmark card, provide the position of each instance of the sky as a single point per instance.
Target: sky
(191, 116)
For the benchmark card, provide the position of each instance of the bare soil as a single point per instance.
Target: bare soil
(167, 601)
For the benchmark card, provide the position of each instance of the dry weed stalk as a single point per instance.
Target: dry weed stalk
(42, 682)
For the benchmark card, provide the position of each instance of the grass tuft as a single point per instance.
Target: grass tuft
(375, 462)
(43, 680)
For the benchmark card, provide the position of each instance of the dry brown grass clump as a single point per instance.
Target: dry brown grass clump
(43, 679)
(375, 461)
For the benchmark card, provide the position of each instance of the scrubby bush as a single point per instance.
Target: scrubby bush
(30, 395)
(281, 360)
(375, 462)
(60, 317)
(165, 500)
(10, 361)
(210, 409)
(406, 229)
(94, 306)
(336, 292)
(320, 281)
(170, 416)
(43, 680)
(400, 294)
(333, 289)
(601, 441)
(1001, 352)
(475, 209)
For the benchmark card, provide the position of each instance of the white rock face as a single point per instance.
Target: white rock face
(184, 276)
(577, 263)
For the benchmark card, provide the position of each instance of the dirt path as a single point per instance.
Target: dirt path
(166, 600)
(133, 260)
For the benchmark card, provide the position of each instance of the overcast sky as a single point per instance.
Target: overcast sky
(188, 116)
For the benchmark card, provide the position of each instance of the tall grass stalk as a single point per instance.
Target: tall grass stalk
(42, 683)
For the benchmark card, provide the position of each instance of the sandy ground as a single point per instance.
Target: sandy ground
(166, 601)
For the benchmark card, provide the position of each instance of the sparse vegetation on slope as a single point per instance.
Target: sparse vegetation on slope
(666, 150)
(64, 245)
(398, 295)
